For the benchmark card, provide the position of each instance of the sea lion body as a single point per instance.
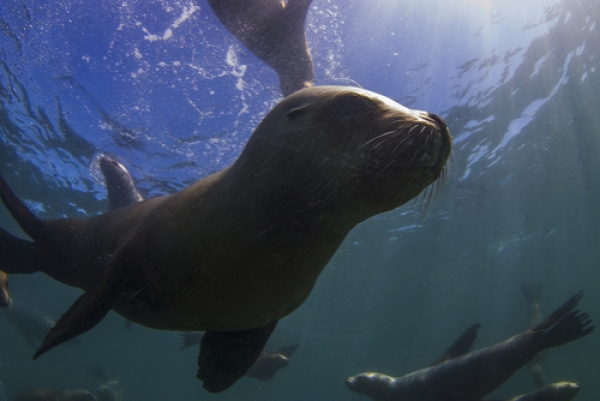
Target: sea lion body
(54, 394)
(32, 325)
(274, 32)
(472, 376)
(244, 247)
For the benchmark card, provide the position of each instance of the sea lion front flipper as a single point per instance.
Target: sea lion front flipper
(461, 346)
(226, 356)
(85, 313)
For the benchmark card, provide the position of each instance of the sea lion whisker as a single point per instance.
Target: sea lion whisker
(376, 138)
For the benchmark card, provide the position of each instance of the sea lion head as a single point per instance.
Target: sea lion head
(374, 385)
(347, 149)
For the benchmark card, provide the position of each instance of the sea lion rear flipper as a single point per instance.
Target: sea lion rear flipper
(560, 313)
(461, 346)
(226, 356)
(85, 313)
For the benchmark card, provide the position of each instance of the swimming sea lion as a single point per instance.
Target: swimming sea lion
(531, 293)
(265, 367)
(472, 376)
(110, 389)
(120, 188)
(563, 391)
(33, 325)
(54, 394)
(242, 248)
(4, 296)
(274, 32)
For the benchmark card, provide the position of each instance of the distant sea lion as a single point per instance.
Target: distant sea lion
(563, 391)
(120, 187)
(274, 32)
(110, 389)
(54, 394)
(33, 325)
(242, 248)
(265, 367)
(472, 376)
(4, 295)
(531, 293)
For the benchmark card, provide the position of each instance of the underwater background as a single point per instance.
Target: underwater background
(173, 95)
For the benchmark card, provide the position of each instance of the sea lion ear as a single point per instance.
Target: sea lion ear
(296, 111)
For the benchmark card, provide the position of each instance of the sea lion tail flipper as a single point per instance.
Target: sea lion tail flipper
(570, 328)
(85, 313)
(226, 356)
(560, 313)
(461, 346)
(288, 350)
(30, 223)
(189, 338)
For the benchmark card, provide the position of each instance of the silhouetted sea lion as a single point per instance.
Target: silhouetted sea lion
(531, 293)
(274, 32)
(265, 367)
(110, 389)
(33, 325)
(472, 376)
(120, 188)
(242, 248)
(54, 394)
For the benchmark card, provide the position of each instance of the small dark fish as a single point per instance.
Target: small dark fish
(472, 376)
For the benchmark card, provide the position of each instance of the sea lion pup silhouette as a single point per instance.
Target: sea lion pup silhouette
(238, 250)
(460, 376)
(274, 32)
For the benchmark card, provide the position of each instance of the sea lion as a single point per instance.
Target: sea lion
(265, 367)
(110, 389)
(531, 293)
(120, 187)
(54, 394)
(563, 391)
(33, 325)
(242, 248)
(4, 295)
(472, 376)
(274, 31)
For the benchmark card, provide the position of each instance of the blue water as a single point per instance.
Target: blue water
(164, 87)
